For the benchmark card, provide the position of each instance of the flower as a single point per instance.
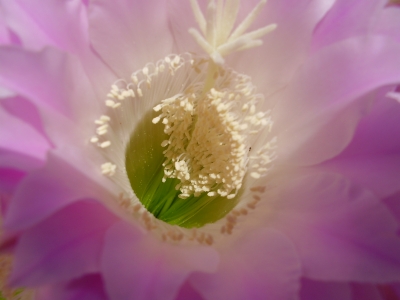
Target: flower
(262, 173)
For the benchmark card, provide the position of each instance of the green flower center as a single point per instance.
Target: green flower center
(144, 159)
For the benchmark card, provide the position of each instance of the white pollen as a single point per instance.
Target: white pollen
(165, 143)
(108, 169)
(110, 103)
(255, 175)
(105, 144)
(135, 79)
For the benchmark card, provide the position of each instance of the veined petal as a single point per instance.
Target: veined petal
(261, 265)
(322, 290)
(46, 191)
(372, 158)
(122, 32)
(59, 249)
(345, 20)
(38, 27)
(188, 292)
(19, 137)
(341, 231)
(19, 73)
(88, 287)
(318, 113)
(137, 266)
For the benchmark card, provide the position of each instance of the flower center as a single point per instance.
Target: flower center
(192, 132)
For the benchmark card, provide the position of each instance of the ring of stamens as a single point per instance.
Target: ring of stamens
(226, 118)
(211, 119)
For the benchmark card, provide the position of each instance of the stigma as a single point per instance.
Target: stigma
(217, 35)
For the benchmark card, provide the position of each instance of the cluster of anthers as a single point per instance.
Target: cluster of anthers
(211, 115)
(209, 136)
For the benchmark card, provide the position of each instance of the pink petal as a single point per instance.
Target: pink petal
(25, 111)
(392, 203)
(4, 33)
(372, 158)
(388, 22)
(9, 180)
(261, 265)
(188, 292)
(318, 113)
(346, 19)
(89, 287)
(129, 33)
(319, 290)
(367, 292)
(47, 190)
(341, 231)
(66, 245)
(50, 23)
(18, 136)
(17, 161)
(38, 76)
(141, 267)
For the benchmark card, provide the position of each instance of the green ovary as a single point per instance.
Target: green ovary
(144, 158)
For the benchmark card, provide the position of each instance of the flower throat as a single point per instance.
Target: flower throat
(189, 126)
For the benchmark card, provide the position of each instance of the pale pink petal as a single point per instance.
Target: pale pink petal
(66, 245)
(261, 265)
(372, 158)
(19, 137)
(139, 266)
(318, 113)
(129, 33)
(25, 111)
(341, 231)
(62, 24)
(46, 191)
(38, 76)
(17, 161)
(346, 19)
(320, 290)
(88, 287)
(388, 23)
(380, 174)
(4, 33)
(66, 98)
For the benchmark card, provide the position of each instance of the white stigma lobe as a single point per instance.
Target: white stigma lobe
(217, 36)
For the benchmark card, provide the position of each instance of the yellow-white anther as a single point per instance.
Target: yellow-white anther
(208, 143)
(108, 169)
